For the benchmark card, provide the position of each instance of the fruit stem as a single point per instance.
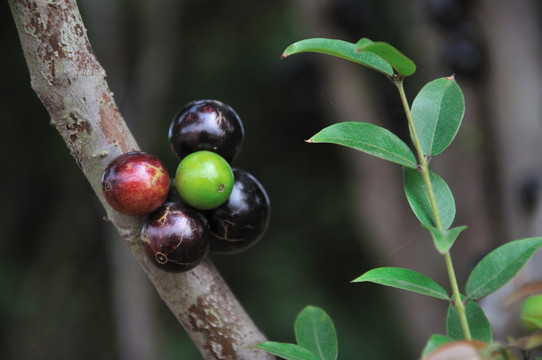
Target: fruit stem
(424, 170)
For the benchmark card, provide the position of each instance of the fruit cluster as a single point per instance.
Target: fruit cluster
(209, 206)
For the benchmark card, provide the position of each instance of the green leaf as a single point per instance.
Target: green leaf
(418, 198)
(478, 323)
(394, 57)
(444, 239)
(437, 112)
(314, 330)
(363, 42)
(500, 266)
(405, 279)
(341, 49)
(368, 138)
(287, 351)
(435, 341)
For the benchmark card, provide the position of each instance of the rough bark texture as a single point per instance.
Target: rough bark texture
(71, 84)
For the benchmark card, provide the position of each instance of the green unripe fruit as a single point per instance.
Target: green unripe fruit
(531, 313)
(204, 180)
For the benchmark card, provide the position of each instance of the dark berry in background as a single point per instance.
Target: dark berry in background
(175, 237)
(243, 219)
(206, 125)
(446, 13)
(464, 52)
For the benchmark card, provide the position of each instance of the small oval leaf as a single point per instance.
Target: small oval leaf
(418, 198)
(314, 330)
(394, 57)
(500, 266)
(341, 49)
(287, 351)
(405, 279)
(369, 138)
(437, 113)
(479, 325)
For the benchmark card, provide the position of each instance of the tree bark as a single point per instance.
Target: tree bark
(70, 83)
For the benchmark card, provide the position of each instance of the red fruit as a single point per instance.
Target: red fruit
(175, 237)
(135, 183)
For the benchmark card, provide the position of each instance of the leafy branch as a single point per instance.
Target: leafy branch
(434, 120)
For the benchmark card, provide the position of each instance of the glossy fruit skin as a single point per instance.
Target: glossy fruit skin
(175, 237)
(135, 183)
(243, 219)
(531, 308)
(206, 125)
(204, 180)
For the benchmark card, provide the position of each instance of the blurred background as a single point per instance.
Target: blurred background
(70, 288)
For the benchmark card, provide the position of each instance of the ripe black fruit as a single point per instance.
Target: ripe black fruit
(175, 237)
(242, 220)
(206, 125)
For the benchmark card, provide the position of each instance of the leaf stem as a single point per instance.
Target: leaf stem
(424, 170)
(458, 303)
(424, 165)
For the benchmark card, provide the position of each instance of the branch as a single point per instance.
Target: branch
(70, 83)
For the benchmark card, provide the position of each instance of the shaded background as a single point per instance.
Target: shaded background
(69, 287)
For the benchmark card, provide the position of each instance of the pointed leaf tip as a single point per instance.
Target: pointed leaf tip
(283, 55)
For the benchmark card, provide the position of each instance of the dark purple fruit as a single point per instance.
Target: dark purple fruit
(465, 52)
(206, 125)
(175, 237)
(242, 220)
(135, 183)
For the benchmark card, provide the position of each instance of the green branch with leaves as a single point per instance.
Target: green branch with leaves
(433, 120)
